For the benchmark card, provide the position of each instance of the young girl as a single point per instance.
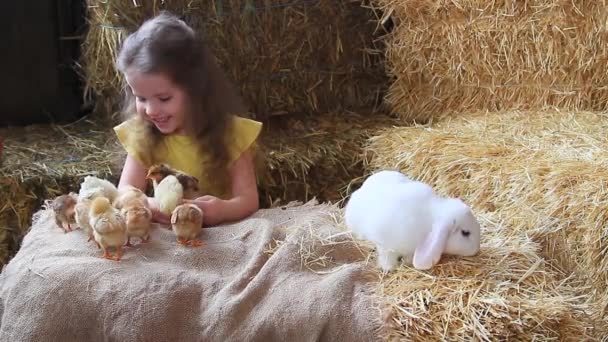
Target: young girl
(181, 110)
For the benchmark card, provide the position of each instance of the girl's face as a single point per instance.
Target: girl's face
(158, 100)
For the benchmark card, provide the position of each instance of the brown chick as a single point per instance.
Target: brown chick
(187, 223)
(109, 227)
(130, 194)
(138, 218)
(190, 183)
(63, 207)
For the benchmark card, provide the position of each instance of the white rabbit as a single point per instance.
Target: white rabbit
(405, 218)
(385, 177)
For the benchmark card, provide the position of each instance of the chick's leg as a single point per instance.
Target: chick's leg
(118, 253)
(146, 239)
(128, 244)
(106, 254)
(92, 238)
(60, 223)
(182, 240)
(196, 243)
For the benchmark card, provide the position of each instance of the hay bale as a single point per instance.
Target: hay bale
(318, 157)
(544, 171)
(448, 57)
(292, 56)
(506, 292)
(41, 162)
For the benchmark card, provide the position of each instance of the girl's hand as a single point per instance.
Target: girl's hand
(161, 218)
(212, 208)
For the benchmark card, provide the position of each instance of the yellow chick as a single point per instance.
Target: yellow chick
(109, 227)
(138, 218)
(129, 194)
(82, 219)
(187, 223)
(169, 193)
(93, 187)
(63, 207)
(189, 183)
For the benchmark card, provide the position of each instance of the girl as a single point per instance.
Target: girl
(181, 110)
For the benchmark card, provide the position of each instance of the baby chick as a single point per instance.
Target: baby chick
(138, 218)
(187, 222)
(169, 193)
(82, 219)
(93, 187)
(189, 183)
(109, 227)
(130, 194)
(63, 207)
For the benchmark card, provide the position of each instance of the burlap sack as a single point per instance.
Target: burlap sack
(241, 286)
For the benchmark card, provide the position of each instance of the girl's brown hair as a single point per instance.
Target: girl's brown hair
(167, 45)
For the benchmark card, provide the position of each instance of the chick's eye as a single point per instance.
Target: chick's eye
(466, 233)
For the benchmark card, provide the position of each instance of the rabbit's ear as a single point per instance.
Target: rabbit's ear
(429, 251)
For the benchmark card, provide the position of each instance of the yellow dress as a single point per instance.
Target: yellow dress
(182, 152)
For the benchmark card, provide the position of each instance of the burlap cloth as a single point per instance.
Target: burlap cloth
(241, 286)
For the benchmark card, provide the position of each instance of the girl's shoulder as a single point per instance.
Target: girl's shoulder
(128, 126)
(244, 128)
(240, 121)
(243, 134)
(131, 135)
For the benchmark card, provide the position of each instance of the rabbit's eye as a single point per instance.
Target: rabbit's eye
(466, 233)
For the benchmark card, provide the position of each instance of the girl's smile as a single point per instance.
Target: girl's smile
(158, 100)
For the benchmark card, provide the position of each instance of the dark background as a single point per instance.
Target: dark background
(40, 49)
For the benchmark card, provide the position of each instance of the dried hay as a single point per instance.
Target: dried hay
(545, 172)
(41, 162)
(293, 56)
(448, 57)
(506, 292)
(319, 157)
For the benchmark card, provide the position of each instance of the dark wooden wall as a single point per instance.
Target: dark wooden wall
(40, 46)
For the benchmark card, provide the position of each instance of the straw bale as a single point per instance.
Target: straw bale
(41, 162)
(446, 57)
(544, 171)
(288, 56)
(315, 157)
(506, 292)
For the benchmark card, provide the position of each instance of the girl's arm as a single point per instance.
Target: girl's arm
(134, 174)
(244, 201)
